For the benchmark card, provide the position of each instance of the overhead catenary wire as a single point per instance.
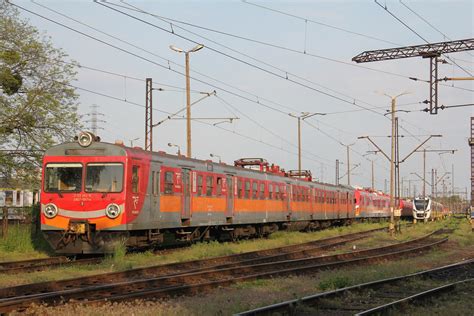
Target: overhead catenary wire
(428, 22)
(272, 73)
(132, 45)
(227, 55)
(260, 103)
(417, 34)
(264, 128)
(321, 23)
(124, 100)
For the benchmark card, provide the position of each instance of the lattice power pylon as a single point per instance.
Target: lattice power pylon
(431, 51)
(94, 119)
(149, 115)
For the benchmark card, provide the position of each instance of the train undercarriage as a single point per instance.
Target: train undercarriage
(82, 238)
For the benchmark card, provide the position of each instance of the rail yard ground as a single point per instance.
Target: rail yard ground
(252, 294)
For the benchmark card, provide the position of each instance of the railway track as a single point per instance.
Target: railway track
(198, 276)
(34, 265)
(375, 298)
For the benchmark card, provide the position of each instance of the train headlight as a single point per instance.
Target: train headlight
(85, 139)
(50, 210)
(112, 211)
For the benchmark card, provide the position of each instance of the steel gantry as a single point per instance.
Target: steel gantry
(432, 51)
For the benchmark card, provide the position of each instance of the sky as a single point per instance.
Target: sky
(265, 60)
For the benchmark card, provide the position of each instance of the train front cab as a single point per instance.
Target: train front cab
(83, 204)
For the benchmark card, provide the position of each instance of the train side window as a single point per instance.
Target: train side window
(157, 182)
(277, 192)
(262, 191)
(239, 188)
(254, 189)
(247, 189)
(153, 187)
(209, 183)
(219, 186)
(169, 182)
(199, 185)
(135, 178)
(270, 191)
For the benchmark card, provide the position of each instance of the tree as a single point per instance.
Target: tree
(38, 107)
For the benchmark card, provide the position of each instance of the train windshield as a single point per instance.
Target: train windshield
(104, 177)
(421, 204)
(63, 177)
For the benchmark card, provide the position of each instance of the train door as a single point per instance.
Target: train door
(288, 197)
(155, 192)
(229, 210)
(346, 205)
(338, 204)
(186, 199)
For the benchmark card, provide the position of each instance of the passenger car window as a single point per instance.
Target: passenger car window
(199, 185)
(169, 182)
(209, 185)
(247, 189)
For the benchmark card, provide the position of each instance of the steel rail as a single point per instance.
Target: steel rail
(422, 295)
(34, 265)
(179, 267)
(289, 307)
(155, 293)
(170, 285)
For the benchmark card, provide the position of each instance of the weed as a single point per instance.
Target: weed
(334, 282)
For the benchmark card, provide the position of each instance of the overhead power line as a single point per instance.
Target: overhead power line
(272, 73)
(195, 42)
(321, 23)
(428, 22)
(158, 64)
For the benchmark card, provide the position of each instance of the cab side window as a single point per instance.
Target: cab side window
(135, 178)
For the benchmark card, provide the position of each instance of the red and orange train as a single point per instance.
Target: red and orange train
(96, 194)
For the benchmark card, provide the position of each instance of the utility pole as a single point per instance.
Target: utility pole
(302, 116)
(424, 151)
(373, 179)
(424, 173)
(348, 164)
(471, 144)
(337, 172)
(391, 159)
(432, 183)
(188, 94)
(148, 115)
